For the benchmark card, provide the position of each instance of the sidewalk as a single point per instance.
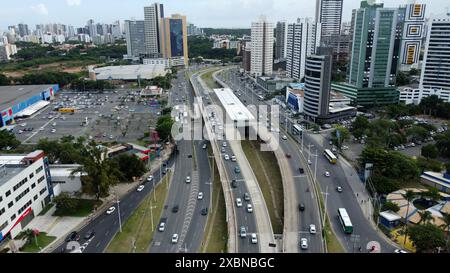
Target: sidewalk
(60, 227)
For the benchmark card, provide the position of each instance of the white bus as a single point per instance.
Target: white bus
(297, 129)
(330, 156)
(345, 221)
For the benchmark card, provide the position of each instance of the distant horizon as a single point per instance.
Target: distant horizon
(220, 13)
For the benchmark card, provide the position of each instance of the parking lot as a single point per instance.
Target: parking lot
(111, 116)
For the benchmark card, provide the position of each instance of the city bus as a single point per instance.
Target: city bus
(330, 156)
(345, 221)
(296, 129)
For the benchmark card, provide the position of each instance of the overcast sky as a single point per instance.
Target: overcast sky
(203, 13)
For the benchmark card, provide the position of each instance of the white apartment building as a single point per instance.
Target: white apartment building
(262, 47)
(152, 21)
(25, 189)
(302, 40)
(414, 95)
(329, 15)
(6, 51)
(435, 77)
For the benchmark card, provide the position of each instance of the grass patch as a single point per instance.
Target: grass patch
(42, 241)
(84, 208)
(46, 209)
(270, 181)
(138, 228)
(216, 236)
(398, 236)
(208, 79)
(333, 244)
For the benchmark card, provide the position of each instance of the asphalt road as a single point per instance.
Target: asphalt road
(303, 186)
(188, 222)
(106, 226)
(244, 218)
(364, 232)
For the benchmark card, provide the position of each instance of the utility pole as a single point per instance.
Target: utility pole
(315, 167)
(118, 212)
(151, 215)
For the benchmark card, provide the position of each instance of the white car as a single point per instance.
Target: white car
(239, 202)
(200, 196)
(254, 238)
(227, 157)
(233, 158)
(339, 189)
(224, 144)
(284, 137)
(150, 178)
(162, 227)
(175, 238)
(53, 131)
(312, 229)
(140, 188)
(188, 179)
(205, 146)
(111, 210)
(327, 174)
(400, 251)
(23, 124)
(309, 162)
(249, 208)
(304, 243)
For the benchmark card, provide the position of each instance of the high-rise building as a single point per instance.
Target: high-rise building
(92, 28)
(262, 47)
(116, 30)
(302, 39)
(247, 56)
(413, 34)
(174, 44)
(23, 30)
(193, 30)
(375, 50)
(135, 36)
(318, 84)
(153, 15)
(281, 40)
(329, 15)
(435, 78)
(70, 31)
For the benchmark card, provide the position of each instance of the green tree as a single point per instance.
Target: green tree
(426, 164)
(430, 105)
(130, 166)
(8, 139)
(443, 143)
(409, 196)
(384, 185)
(344, 135)
(359, 126)
(4, 80)
(100, 172)
(427, 238)
(425, 217)
(417, 133)
(65, 202)
(402, 79)
(429, 151)
(390, 206)
(164, 127)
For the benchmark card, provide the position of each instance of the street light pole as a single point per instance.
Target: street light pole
(118, 211)
(151, 215)
(315, 167)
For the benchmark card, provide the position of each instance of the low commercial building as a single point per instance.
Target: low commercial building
(273, 84)
(129, 72)
(23, 100)
(25, 189)
(413, 94)
(64, 180)
(151, 91)
(368, 96)
(440, 181)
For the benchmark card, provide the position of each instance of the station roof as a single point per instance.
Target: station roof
(15, 94)
(236, 110)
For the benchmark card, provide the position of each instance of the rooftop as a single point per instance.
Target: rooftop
(234, 107)
(130, 72)
(19, 93)
(9, 171)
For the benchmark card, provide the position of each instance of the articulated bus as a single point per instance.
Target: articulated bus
(296, 129)
(345, 221)
(330, 156)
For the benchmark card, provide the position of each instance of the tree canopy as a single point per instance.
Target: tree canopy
(427, 238)
(8, 139)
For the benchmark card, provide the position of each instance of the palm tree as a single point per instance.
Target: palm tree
(409, 196)
(425, 216)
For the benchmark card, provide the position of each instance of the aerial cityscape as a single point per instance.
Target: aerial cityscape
(327, 133)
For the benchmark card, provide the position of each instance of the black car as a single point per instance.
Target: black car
(73, 236)
(205, 211)
(234, 184)
(301, 207)
(89, 235)
(301, 170)
(175, 209)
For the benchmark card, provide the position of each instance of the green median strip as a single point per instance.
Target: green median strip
(268, 174)
(208, 79)
(137, 230)
(216, 235)
(36, 244)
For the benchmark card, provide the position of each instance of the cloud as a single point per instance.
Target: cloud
(73, 2)
(40, 9)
